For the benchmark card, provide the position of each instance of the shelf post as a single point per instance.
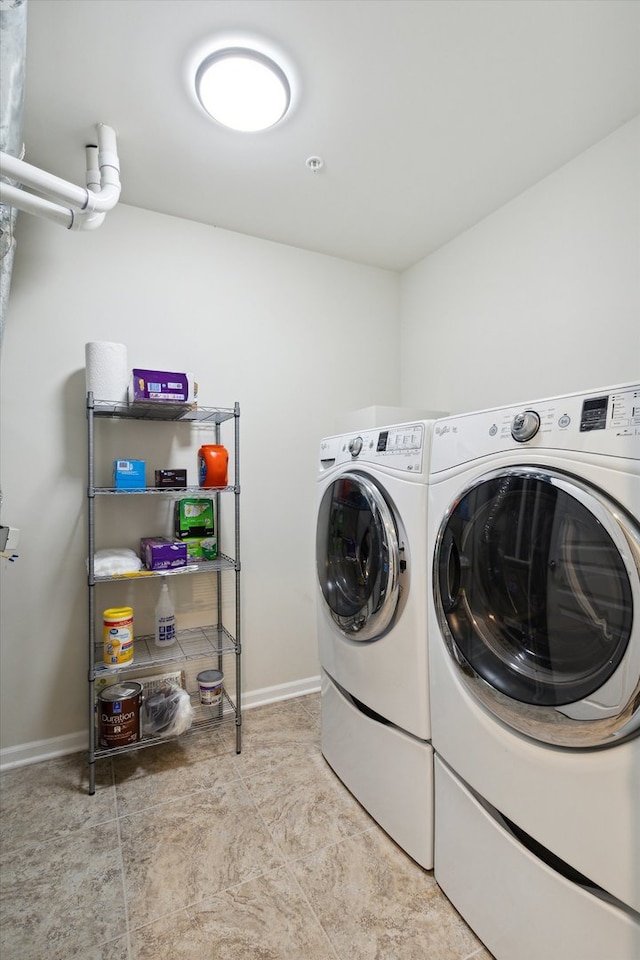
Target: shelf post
(91, 583)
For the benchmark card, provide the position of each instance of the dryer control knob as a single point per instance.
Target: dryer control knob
(525, 425)
(355, 446)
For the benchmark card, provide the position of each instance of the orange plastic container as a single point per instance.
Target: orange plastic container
(213, 465)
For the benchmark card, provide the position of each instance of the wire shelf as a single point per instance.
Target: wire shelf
(162, 491)
(159, 410)
(222, 562)
(191, 644)
(206, 718)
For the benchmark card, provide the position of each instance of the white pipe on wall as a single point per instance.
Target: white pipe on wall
(76, 207)
(46, 183)
(93, 169)
(15, 197)
(13, 48)
(65, 216)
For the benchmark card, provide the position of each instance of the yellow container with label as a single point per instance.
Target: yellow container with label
(117, 636)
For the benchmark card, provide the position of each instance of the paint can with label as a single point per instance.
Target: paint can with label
(117, 636)
(210, 685)
(119, 714)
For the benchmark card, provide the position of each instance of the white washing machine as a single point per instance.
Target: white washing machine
(534, 629)
(373, 579)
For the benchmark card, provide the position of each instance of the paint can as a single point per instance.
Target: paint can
(210, 686)
(117, 636)
(119, 714)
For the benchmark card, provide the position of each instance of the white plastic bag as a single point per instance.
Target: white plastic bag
(167, 712)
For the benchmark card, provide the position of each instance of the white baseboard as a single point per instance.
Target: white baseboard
(282, 691)
(38, 750)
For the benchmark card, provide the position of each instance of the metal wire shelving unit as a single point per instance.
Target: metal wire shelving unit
(211, 642)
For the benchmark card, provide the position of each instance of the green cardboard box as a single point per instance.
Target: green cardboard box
(201, 548)
(193, 517)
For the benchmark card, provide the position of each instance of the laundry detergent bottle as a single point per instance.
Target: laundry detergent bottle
(213, 465)
(165, 618)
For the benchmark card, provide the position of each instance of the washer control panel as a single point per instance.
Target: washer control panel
(408, 438)
(605, 422)
(399, 448)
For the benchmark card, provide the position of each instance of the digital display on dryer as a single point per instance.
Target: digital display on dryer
(594, 414)
(383, 436)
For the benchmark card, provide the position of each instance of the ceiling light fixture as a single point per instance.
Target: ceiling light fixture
(243, 89)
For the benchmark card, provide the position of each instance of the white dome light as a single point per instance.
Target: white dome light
(243, 89)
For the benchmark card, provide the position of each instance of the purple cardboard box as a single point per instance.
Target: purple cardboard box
(154, 385)
(160, 553)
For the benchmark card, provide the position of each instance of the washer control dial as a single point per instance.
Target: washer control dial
(525, 425)
(355, 446)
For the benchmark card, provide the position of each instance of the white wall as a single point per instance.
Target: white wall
(296, 338)
(539, 299)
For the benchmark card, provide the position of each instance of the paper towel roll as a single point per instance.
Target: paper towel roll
(107, 370)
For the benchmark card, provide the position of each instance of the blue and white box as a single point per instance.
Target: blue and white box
(129, 474)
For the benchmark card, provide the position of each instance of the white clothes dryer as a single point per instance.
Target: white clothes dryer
(373, 578)
(534, 621)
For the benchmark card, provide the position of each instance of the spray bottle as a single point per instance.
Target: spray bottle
(165, 618)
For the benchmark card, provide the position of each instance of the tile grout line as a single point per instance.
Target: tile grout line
(329, 846)
(122, 868)
(313, 912)
(211, 896)
(263, 822)
(285, 865)
(185, 908)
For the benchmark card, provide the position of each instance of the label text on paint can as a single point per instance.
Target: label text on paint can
(118, 636)
(119, 714)
(211, 696)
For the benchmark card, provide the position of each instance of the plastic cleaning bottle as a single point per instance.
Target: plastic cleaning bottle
(213, 465)
(165, 618)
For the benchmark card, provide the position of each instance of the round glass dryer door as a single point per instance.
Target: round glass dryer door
(358, 557)
(535, 580)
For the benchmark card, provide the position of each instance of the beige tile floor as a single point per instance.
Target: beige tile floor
(190, 852)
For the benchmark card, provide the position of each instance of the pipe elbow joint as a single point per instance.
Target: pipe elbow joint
(104, 200)
(86, 221)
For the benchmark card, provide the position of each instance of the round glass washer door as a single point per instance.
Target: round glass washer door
(536, 578)
(359, 557)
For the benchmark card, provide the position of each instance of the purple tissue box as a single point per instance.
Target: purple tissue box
(160, 553)
(154, 385)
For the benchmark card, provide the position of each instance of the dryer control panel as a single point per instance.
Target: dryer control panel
(603, 422)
